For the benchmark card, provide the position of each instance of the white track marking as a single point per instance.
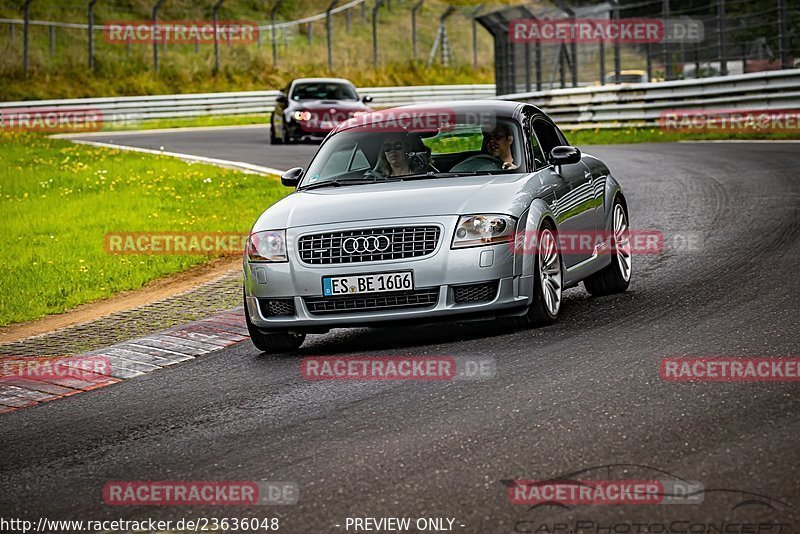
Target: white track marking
(237, 165)
(108, 133)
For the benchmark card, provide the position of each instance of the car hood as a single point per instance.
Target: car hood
(327, 105)
(508, 193)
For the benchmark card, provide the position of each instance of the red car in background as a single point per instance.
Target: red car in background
(309, 108)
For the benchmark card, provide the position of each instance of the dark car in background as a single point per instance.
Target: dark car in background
(309, 108)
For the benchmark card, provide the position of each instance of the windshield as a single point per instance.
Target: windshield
(323, 91)
(375, 152)
(627, 78)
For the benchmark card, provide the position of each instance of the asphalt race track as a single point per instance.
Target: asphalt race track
(581, 394)
(250, 145)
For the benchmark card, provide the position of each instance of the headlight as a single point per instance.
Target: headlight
(302, 115)
(477, 230)
(269, 245)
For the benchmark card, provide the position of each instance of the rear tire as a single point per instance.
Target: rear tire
(272, 343)
(616, 277)
(548, 280)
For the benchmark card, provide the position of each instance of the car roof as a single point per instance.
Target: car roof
(322, 80)
(500, 108)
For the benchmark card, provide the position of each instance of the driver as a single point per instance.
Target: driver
(497, 142)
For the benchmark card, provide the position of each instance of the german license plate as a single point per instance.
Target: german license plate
(367, 283)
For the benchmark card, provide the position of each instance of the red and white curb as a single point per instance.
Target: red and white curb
(129, 359)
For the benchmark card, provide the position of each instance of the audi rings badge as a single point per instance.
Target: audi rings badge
(366, 244)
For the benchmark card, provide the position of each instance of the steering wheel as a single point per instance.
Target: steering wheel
(478, 162)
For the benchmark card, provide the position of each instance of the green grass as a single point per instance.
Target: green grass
(192, 122)
(59, 199)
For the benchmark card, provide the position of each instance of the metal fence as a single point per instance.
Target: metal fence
(274, 33)
(736, 37)
(582, 107)
(739, 36)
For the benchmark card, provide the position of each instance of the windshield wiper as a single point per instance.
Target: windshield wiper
(424, 175)
(340, 182)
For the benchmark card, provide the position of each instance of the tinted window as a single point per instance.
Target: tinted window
(547, 136)
(626, 78)
(344, 159)
(323, 91)
(384, 149)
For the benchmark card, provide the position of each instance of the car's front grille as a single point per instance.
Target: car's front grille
(361, 303)
(373, 244)
(483, 292)
(277, 307)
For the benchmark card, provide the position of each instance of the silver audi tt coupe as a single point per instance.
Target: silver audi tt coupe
(475, 209)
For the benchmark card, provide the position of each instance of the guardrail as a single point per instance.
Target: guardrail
(583, 107)
(135, 108)
(643, 104)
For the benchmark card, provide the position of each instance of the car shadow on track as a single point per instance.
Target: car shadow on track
(579, 311)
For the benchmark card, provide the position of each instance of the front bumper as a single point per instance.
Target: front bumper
(296, 131)
(440, 272)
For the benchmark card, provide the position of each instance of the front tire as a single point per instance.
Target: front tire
(272, 343)
(548, 280)
(273, 139)
(616, 277)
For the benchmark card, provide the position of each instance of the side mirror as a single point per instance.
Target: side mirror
(281, 99)
(366, 99)
(564, 155)
(292, 177)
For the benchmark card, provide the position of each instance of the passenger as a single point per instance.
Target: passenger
(393, 160)
(394, 157)
(497, 142)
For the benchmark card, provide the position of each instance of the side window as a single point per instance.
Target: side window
(547, 136)
(538, 156)
(564, 141)
(345, 159)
